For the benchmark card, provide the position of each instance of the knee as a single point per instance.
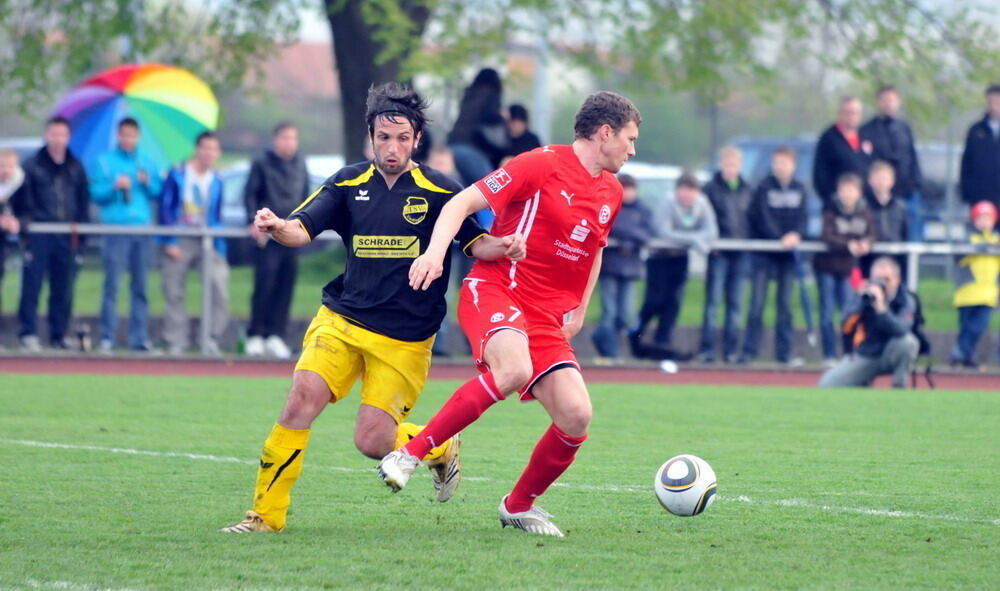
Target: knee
(575, 421)
(904, 348)
(304, 403)
(374, 444)
(512, 377)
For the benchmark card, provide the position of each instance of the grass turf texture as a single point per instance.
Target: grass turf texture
(316, 269)
(798, 472)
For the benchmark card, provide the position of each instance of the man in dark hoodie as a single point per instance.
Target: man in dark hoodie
(55, 189)
(621, 267)
(848, 233)
(891, 140)
(840, 149)
(278, 181)
(980, 176)
(888, 214)
(730, 197)
(777, 212)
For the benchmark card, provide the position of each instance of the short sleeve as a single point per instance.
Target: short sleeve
(517, 180)
(611, 212)
(469, 233)
(323, 209)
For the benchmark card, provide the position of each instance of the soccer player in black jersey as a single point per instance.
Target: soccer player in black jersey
(371, 325)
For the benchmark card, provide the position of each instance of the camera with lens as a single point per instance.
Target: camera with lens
(868, 294)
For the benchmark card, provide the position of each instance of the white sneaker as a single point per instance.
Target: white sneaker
(534, 521)
(254, 347)
(31, 344)
(396, 468)
(447, 471)
(277, 347)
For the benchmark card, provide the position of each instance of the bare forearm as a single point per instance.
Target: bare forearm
(453, 214)
(595, 272)
(292, 234)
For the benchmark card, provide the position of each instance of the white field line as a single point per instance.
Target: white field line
(617, 488)
(69, 586)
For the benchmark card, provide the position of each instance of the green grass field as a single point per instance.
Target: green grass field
(851, 489)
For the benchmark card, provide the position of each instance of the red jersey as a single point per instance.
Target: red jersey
(564, 215)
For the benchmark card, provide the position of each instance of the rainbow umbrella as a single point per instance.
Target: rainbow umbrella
(171, 105)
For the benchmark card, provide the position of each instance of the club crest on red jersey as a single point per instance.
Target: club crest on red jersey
(415, 209)
(498, 180)
(605, 214)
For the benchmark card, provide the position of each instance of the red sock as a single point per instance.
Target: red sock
(554, 453)
(466, 405)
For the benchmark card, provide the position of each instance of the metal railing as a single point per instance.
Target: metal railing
(912, 250)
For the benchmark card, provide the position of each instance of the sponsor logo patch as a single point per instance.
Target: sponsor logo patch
(415, 210)
(498, 180)
(386, 247)
(580, 232)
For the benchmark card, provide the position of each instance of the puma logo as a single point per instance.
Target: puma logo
(266, 465)
(568, 197)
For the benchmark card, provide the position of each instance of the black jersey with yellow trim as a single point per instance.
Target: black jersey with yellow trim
(383, 230)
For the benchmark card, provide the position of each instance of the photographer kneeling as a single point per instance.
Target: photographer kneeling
(882, 327)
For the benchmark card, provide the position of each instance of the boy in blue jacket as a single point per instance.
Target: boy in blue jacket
(125, 183)
(192, 198)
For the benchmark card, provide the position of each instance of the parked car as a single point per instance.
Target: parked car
(234, 213)
(24, 146)
(657, 181)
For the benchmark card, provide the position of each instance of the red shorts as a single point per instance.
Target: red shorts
(484, 308)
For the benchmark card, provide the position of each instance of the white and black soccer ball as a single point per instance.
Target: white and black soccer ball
(685, 485)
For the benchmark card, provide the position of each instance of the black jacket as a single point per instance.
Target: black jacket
(275, 183)
(633, 228)
(776, 211)
(898, 320)
(480, 122)
(892, 140)
(52, 192)
(525, 142)
(731, 206)
(834, 157)
(839, 228)
(980, 177)
(889, 220)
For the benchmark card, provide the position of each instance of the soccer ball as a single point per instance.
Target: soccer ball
(685, 485)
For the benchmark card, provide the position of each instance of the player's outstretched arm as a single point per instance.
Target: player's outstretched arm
(285, 232)
(429, 266)
(492, 248)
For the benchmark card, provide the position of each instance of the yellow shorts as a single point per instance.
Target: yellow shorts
(393, 373)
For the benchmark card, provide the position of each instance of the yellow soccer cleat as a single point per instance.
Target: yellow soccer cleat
(447, 470)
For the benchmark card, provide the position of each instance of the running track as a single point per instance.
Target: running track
(450, 370)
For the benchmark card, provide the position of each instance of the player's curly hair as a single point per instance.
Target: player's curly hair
(604, 107)
(393, 101)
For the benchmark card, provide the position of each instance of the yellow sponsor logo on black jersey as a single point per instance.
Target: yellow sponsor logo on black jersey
(386, 247)
(415, 210)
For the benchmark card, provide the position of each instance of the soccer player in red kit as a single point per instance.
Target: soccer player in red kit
(519, 316)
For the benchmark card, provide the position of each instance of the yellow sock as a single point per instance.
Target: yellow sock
(280, 466)
(408, 431)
